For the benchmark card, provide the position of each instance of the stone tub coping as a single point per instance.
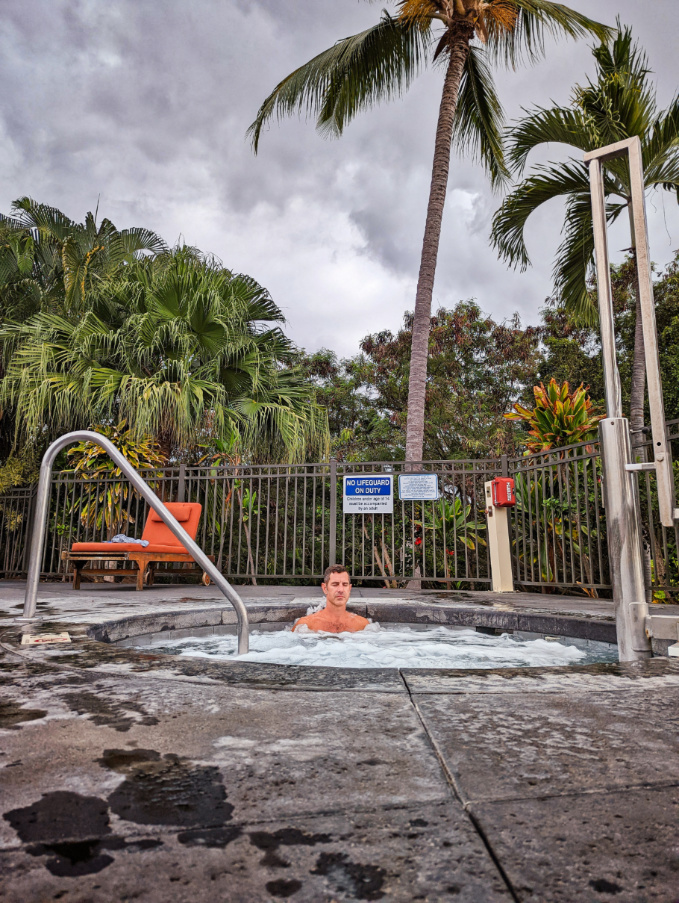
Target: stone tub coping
(587, 628)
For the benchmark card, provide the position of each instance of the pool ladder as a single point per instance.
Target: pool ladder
(41, 508)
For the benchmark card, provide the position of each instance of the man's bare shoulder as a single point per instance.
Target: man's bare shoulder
(310, 621)
(356, 622)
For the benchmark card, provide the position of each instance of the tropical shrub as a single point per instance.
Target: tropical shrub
(560, 417)
(105, 508)
(180, 348)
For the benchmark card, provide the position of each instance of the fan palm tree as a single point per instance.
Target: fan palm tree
(619, 103)
(177, 346)
(380, 63)
(48, 261)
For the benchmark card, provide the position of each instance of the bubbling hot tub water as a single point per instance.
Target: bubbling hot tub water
(388, 646)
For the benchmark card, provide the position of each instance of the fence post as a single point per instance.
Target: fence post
(181, 486)
(29, 530)
(332, 543)
(502, 579)
(504, 465)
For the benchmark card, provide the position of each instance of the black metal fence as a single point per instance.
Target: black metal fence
(558, 524)
(16, 518)
(276, 522)
(286, 523)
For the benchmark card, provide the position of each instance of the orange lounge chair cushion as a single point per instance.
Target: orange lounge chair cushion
(160, 537)
(179, 510)
(113, 547)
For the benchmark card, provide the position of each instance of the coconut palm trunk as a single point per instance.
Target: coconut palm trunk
(417, 387)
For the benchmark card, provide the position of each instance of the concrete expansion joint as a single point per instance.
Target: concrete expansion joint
(605, 792)
(458, 795)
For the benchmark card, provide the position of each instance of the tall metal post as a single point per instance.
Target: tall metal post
(623, 532)
(662, 453)
(620, 487)
(181, 484)
(40, 520)
(332, 543)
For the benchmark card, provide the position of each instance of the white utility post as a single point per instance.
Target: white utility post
(502, 579)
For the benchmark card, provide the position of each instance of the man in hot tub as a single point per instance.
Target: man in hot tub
(335, 618)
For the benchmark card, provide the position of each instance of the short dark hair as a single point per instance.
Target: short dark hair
(335, 569)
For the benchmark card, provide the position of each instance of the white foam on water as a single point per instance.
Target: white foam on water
(390, 646)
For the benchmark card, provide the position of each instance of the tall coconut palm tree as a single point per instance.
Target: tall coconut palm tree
(619, 103)
(180, 348)
(380, 63)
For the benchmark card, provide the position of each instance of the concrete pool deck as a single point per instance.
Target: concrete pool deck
(129, 776)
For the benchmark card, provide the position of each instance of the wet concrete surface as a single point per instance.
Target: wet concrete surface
(134, 776)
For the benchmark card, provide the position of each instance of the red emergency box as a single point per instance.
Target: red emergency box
(503, 492)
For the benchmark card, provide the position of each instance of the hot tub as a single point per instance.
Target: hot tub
(402, 636)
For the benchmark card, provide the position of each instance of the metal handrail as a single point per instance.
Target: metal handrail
(41, 505)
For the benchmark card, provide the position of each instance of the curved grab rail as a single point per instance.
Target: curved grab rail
(196, 552)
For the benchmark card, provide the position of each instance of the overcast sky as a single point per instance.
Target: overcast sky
(142, 106)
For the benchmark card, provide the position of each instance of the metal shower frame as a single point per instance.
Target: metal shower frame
(621, 491)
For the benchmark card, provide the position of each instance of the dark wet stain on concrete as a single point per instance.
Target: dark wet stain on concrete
(73, 859)
(86, 857)
(168, 790)
(61, 816)
(364, 882)
(12, 715)
(283, 887)
(123, 760)
(69, 828)
(270, 842)
(602, 886)
(101, 711)
(209, 837)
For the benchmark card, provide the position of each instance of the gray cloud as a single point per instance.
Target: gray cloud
(145, 105)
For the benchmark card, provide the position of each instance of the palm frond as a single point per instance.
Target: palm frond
(537, 20)
(661, 144)
(557, 125)
(548, 182)
(355, 73)
(574, 260)
(664, 174)
(479, 116)
(48, 221)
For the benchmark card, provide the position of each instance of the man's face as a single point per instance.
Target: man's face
(337, 589)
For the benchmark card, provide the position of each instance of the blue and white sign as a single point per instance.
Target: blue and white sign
(369, 493)
(418, 487)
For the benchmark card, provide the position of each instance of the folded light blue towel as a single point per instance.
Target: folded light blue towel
(120, 537)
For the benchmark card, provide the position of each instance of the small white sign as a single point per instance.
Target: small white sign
(41, 639)
(369, 493)
(418, 487)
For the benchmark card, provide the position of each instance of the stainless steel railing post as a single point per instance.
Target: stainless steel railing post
(40, 520)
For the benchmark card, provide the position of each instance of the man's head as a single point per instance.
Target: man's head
(336, 586)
